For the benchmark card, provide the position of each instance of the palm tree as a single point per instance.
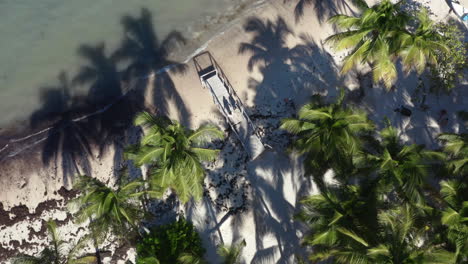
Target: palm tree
(400, 236)
(372, 38)
(188, 258)
(231, 254)
(107, 209)
(455, 216)
(404, 241)
(456, 146)
(175, 155)
(149, 260)
(422, 47)
(400, 168)
(56, 254)
(329, 135)
(338, 218)
(380, 35)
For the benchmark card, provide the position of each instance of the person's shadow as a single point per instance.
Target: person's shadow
(226, 106)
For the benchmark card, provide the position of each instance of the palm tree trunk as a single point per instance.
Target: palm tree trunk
(98, 252)
(96, 244)
(57, 256)
(145, 200)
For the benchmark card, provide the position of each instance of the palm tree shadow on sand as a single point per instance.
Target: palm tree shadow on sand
(270, 53)
(146, 54)
(68, 141)
(287, 72)
(323, 8)
(271, 176)
(113, 97)
(112, 125)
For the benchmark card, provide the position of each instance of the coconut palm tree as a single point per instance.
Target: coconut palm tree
(381, 34)
(373, 38)
(107, 209)
(400, 237)
(56, 253)
(403, 240)
(328, 135)
(231, 254)
(422, 47)
(188, 258)
(401, 169)
(337, 217)
(456, 146)
(175, 154)
(455, 216)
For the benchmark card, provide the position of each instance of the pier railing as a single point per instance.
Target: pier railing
(213, 65)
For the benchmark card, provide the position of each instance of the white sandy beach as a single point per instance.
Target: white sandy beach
(267, 189)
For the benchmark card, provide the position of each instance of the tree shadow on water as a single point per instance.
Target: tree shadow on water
(68, 141)
(101, 73)
(111, 125)
(146, 54)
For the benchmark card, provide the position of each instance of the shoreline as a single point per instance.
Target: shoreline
(274, 182)
(20, 131)
(196, 28)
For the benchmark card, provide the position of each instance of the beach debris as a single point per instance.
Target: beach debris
(403, 111)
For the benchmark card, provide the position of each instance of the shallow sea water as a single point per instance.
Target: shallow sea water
(40, 38)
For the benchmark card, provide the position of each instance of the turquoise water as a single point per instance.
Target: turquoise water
(40, 38)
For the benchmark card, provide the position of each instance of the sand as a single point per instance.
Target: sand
(251, 200)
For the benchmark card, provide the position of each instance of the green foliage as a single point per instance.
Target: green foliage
(400, 169)
(329, 135)
(108, 209)
(455, 215)
(58, 252)
(381, 35)
(175, 155)
(231, 254)
(456, 146)
(391, 213)
(448, 71)
(351, 227)
(336, 215)
(169, 243)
